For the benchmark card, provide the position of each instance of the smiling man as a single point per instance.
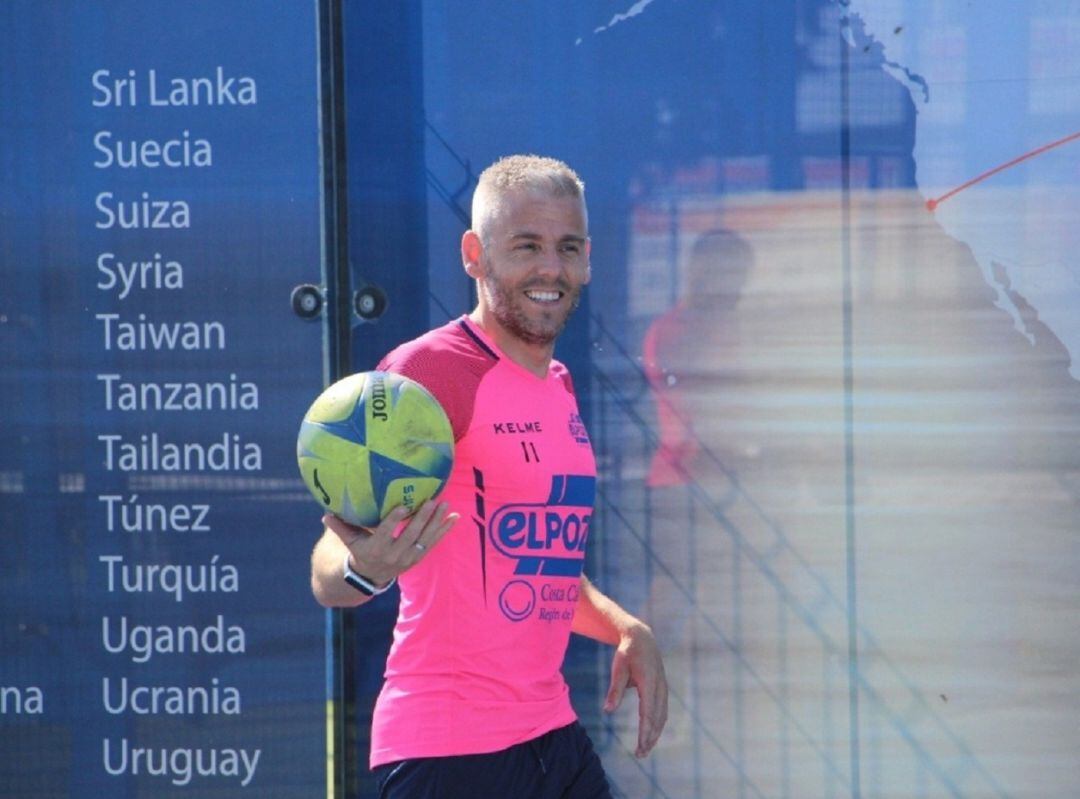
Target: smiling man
(529, 253)
(474, 703)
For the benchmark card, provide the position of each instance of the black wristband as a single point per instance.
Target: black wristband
(361, 583)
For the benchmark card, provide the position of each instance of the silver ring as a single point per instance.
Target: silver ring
(420, 546)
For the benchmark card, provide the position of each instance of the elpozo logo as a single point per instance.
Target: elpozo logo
(546, 539)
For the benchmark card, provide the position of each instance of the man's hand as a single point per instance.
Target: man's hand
(637, 662)
(381, 553)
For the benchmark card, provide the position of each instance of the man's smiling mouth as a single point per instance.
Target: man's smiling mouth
(543, 296)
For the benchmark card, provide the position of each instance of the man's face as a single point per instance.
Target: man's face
(535, 260)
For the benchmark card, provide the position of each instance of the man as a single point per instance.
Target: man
(474, 703)
(704, 321)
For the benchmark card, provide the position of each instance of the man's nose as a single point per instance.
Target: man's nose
(550, 263)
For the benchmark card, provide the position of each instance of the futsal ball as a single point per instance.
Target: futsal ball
(373, 441)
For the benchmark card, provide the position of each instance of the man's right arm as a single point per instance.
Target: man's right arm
(328, 574)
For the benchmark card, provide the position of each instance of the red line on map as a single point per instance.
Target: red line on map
(932, 203)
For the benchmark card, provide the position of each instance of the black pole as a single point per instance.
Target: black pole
(341, 705)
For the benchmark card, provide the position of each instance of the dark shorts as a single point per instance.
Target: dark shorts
(560, 764)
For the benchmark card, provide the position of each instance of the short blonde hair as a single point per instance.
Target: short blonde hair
(521, 173)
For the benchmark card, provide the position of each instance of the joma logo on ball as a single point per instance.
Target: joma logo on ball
(378, 399)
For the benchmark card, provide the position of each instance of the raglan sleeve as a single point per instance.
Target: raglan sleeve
(453, 386)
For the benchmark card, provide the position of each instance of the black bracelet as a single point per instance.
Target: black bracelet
(363, 584)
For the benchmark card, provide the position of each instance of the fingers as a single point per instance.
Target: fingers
(389, 525)
(345, 531)
(420, 521)
(652, 705)
(620, 679)
(426, 528)
(388, 528)
(652, 716)
(397, 543)
(639, 664)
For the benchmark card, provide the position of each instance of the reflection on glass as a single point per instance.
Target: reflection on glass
(858, 367)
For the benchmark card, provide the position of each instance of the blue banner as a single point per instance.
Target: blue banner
(160, 199)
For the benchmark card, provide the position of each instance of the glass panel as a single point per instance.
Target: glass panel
(827, 361)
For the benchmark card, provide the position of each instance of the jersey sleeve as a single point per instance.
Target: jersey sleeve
(450, 368)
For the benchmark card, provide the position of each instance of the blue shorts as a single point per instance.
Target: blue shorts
(561, 764)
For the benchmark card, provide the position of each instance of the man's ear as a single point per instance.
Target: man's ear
(471, 250)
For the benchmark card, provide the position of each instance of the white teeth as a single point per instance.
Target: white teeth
(543, 296)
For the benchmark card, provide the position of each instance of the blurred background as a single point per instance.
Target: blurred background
(826, 362)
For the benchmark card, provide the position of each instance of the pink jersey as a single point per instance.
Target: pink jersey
(485, 617)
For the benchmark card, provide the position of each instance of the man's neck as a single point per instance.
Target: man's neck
(536, 358)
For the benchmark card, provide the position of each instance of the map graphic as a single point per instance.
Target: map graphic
(997, 143)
